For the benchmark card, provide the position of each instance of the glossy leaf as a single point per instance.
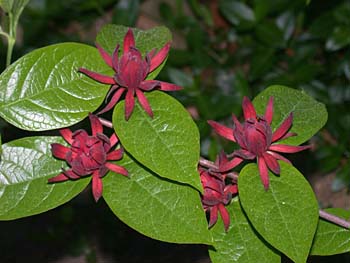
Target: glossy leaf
(237, 13)
(168, 143)
(241, 243)
(286, 215)
(112, 35)
(43, 90)
(331, 239)
(156, 207)
(26, 165)
(340, 38)
(309, 115)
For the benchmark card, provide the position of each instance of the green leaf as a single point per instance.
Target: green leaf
(270, 35)
(43, 90)
(156, 207)
(126, 12)
(112, 35)
(331, 239)
(309, 115)
(241, 243)
(285, 215)
(26, 165)
(168, 143)
(340, 38)
(237, 13)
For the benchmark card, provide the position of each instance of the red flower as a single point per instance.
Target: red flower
(131, 71)
(216, 193)
(88, 155)
(256, 139)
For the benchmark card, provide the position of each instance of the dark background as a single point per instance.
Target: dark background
(218, 55)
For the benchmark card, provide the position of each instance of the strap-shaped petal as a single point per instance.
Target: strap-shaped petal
(288, 148)
(105, 56)
(129, 41)
(113, 101)
(129, 104)
(59, 151)
(222, 130)
(144, 102)
(272, 163)
(264, 172)
(224, 215)
(96, 125)
(269, 111)
(117, 169)
(248, 109)
(97, 186)
(283, 128)
(159, 57)
(97, 76)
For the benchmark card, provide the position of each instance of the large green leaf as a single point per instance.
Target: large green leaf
(156, 207)
(309, 115)
(168, 143)
(43, 90)
(331, 239)
(241, 243)
(112, 35)
(340, 38)
(286, 215)
(26, 165)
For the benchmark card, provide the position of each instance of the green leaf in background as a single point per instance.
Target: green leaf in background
(331, 239)
(270, 35)
(26, 165)
(43, 90)
(112, 35)
(237, 13)
(241, 243)
(168, 143)
(126, 12)
(340, 38)
(309, 115)
(286, 215)
(156, 207)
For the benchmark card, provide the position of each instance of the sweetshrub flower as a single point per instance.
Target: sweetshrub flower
(131, 71)
(88, 155)
(256, 139)
(217, 194)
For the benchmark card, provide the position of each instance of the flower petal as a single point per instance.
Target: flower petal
(113, 139)
(269, 111)
(105, 56)
(115, 155)
(129, 41)
(248, 109)
(213, 216)
(113, 101)
(272, 163)
(97, 186)
(96, 125)
(148, 85)
(283, 128)
(230, 164)
(244, 154)
(278, 156)
(264, 172)
(129, 104)
(58, 178)
(71, 175)
(288, 148)
(225, 216)
(165, 86)
(67, 135)
(222, 130)
(59, 151)
(97, 76)
(115, 59)
(159, 57)
(144, 102)
(117, 169)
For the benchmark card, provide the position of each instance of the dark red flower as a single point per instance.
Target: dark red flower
(216, 193)
(88, 155)
(256, 139)
(131, 71)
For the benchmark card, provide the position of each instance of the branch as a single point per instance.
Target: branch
(234, 176)
(334, 219)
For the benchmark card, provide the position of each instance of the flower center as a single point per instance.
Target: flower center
(258, 135)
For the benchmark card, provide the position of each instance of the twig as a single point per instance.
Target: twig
(234, 176)
(209, 164)
(334, 219)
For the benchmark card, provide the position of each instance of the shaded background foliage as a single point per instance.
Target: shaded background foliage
(222, 51)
